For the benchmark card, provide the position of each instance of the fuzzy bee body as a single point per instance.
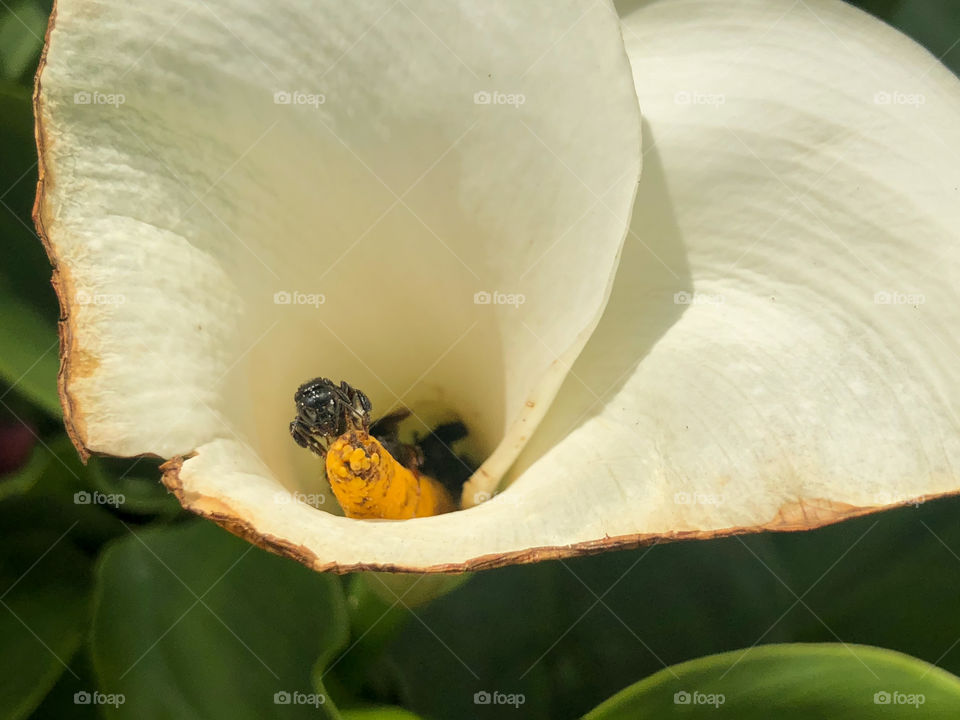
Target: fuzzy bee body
(371, 472)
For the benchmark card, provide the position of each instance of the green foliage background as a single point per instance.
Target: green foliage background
(184, 620)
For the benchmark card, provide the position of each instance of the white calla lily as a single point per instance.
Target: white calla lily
(237, 199)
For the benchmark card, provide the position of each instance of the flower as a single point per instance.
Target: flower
(430, 201)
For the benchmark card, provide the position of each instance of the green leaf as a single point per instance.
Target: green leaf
(21, 37)
(61, 701)
(380, 712)
(25, 270)
(935, 25)
(566, 651)
(60, 499)
(44, 586)
(374, 623)
(379, 607)
(840, 682)
(904, 558)
(192, 622)
(140, 495)
(413, 589)
(539, 630)
(882, 9)
(19, 482)
(29, 359)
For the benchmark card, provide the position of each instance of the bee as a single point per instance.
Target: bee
(372, 473)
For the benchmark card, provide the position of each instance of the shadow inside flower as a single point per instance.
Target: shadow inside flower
(652, 275)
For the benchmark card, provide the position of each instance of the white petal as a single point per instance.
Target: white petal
(801, 189)
(435, 150)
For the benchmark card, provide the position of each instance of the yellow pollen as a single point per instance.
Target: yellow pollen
(386, 489)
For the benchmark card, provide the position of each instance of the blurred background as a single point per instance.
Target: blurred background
(106, 585)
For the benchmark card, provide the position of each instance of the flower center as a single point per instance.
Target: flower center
(372, 472)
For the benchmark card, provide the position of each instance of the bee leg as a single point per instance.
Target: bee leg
(355, 407)
(306, 440)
